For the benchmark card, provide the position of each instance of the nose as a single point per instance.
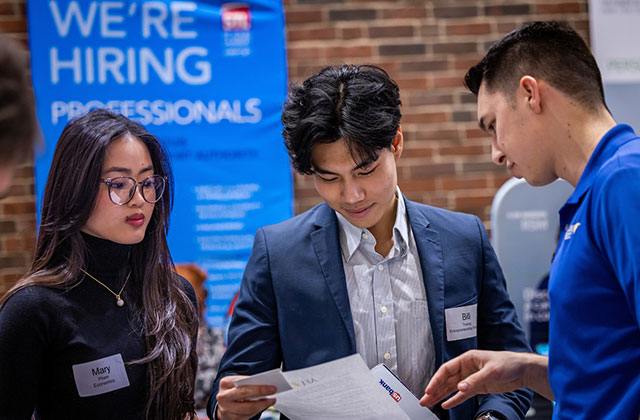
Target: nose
(137, 200)
(352, 192)
(497, 156)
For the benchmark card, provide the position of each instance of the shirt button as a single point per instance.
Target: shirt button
(387, 356)
(365, 236)
(381, 267)
(383, 309)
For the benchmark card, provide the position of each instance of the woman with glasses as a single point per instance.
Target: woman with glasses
(100, 327)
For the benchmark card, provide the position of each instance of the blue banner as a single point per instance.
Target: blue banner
(208, 78)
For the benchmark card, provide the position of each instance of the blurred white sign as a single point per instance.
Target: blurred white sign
(615, 36)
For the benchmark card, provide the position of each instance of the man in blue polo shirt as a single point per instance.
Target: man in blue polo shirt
(541, 99)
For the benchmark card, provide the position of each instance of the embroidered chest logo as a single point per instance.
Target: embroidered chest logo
(569, 230)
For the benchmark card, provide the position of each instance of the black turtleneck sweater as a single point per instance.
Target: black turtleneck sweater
(44, 332)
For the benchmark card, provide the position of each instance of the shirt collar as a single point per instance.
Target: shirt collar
(351, 236)
(606, 148)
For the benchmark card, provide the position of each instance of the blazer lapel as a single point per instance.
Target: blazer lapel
(326, 244)
(432, 265)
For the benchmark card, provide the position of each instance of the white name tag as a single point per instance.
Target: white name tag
(462, 322)
(100, 376)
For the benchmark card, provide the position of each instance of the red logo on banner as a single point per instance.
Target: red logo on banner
(236, 17)
(396, 396)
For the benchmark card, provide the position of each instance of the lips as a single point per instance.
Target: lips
(511, 168)
(359, 212)
(135, 219)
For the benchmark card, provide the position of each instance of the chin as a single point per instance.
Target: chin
(537, 182)
(359, 224)
(364, 223)
(130, 240)
(137, 240)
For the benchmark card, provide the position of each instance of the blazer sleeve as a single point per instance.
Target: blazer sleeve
(253, 337)
(499, 329)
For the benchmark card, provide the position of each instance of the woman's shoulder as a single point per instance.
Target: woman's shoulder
(31, 308)
(35, 296)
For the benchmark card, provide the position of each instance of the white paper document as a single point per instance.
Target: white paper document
(343, 389)
(271, 377)
(401, 394)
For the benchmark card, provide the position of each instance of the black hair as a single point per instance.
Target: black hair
(360, 104)
(551, 51)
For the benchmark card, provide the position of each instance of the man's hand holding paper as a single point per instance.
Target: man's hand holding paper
(242, 402)
(343, 389)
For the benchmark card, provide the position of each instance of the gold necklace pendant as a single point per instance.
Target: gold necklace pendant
(119, 300)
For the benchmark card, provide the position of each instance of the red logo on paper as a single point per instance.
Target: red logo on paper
(397, 397)
(236, 17)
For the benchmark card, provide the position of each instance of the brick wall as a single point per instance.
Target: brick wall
(426, 46)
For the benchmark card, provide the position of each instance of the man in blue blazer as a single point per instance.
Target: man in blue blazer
(367, 271)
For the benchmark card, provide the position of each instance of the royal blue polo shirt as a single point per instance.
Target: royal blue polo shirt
(594, 288)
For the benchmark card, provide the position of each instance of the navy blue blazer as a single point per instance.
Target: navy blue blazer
(293, 309)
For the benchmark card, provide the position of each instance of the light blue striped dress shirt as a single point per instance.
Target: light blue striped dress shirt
(388, 301)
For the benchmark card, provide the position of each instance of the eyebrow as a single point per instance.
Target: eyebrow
(127, 170)
(322, 171)
(359, 166)
(365, 163)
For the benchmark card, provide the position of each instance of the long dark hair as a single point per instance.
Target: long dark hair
(161, 306)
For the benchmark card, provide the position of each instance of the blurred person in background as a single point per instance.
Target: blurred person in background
(210, 340)
(18, 125)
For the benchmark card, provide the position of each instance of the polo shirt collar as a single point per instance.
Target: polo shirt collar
(606, 148)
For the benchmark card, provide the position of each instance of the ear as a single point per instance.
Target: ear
(397, 144)
(530, 89)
